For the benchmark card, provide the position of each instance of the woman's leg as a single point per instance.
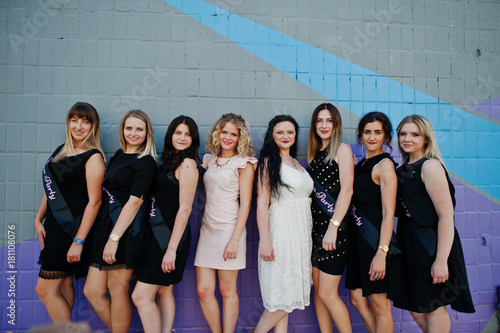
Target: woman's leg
(96, 291)
(144, 299)
(121, 304)
(324, 318)
(68, 291)
(282, 325)
(328, 292)
(434, 322)
(365, 310)
(269, 320)
(421, 320)
(230, 301)
(49, 292)
(382, 310)
(205, 285)
(166, 303)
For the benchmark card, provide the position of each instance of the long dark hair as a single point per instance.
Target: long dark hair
(270, 158)
(370, 118)
(171, 160)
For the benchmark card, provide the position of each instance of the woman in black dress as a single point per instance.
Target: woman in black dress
(433, 267)
(373, 205)
(332, 168)
(77, 170)
(168, 235)
(119, 234)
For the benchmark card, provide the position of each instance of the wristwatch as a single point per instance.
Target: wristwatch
(384, 248)
(78, 241)
(114, 237)
(335, 223)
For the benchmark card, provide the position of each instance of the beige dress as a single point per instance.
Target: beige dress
(221, 212)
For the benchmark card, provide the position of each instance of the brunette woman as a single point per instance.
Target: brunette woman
(221, 248)
(168, 235)
(72, 182)
(119, 234)
(332, 168)
(434, 273)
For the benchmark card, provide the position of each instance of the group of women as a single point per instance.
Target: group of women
(312, 222)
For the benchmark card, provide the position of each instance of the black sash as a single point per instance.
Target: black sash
(115, 208)
(370, 233)
(326, 202)
(425, 234)
(160, 228)
(57, 204)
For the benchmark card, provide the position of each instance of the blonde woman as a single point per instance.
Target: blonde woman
(72, 182)
(118, 243)
(433, 268)
(221, 248)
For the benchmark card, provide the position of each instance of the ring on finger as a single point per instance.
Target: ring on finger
(376, 275)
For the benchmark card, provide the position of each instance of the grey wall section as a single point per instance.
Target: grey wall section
(125, 54)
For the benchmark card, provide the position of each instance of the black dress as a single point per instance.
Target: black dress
(126, 175)
(69, 174)
(417, 236)
(368, 199)
(165, 189)
(330, 262)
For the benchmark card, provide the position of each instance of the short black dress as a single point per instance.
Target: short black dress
(417, 236)
(165, 189)
(69, 174)
(368, 199)
(126, 175)
(330, 262)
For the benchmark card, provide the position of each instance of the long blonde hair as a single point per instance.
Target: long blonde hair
(244, 146)
(314, 144)
(92, 141)
(425, 127)
(148, 146)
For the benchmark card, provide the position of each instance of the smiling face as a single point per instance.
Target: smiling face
(411, 140)
(134, 133)
(284, 135)
(373, 138)
(324, 126)
(229, 136)
(181, 139)
(80, 129)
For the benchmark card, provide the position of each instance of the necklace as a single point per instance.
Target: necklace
(293, 160)
(223, 165)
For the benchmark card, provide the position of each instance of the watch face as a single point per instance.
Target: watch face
(385, 248)
(114, 237)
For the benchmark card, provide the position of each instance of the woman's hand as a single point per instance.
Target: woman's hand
(40, 232)
(74, 253)
(377, 266)
(109, 253)
(330, 238)
(266, 251)
(231, 250)
(168, 262)
(439, 272)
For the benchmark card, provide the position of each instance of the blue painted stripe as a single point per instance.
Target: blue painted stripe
(463, 137)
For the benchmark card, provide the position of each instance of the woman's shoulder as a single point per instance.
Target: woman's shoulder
(242, 161)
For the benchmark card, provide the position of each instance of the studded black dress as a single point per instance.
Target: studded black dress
(330, 262)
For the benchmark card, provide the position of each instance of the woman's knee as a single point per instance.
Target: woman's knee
(228, 290)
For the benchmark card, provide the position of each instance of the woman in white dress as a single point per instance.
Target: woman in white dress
(285, 223)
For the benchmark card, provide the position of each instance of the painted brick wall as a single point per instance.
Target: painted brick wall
(258, 58)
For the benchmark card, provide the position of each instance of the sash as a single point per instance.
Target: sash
(426, 235)
(160, 228)
(57, 204)
(115, 208)
(370, 233)
(326, 202)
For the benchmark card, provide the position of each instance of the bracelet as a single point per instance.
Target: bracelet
(335, 223)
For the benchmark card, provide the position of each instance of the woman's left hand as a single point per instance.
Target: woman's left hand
(377, 266)
(74, 253)
(439, 272)
(108, 255)
(168, 262)
(330, 239)
(231, 250)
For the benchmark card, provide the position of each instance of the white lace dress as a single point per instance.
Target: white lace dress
(285, 283)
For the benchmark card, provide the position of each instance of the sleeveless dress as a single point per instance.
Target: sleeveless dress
(368, 198)
(330, 262)
(285, 283)
(165, 190)
(69, 173)
(221, 212)
(417, 236)
(126, 175)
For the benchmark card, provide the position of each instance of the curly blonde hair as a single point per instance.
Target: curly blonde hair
(244, 146)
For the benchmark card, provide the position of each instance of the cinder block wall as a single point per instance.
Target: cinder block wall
(259, 59)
